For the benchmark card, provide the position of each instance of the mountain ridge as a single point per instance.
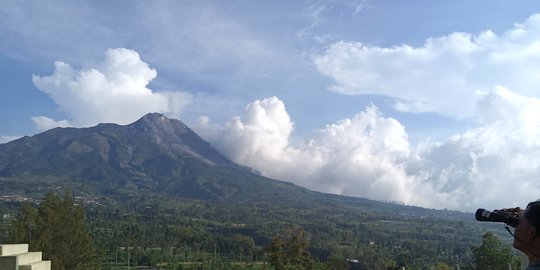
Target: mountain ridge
(153, 156)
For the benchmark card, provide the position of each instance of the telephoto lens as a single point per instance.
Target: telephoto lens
(512, 219)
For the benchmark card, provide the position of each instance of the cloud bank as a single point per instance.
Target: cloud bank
(115, 91)
(361, 156)
(444, 74)
(496, 164)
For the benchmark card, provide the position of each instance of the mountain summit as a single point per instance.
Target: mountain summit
(154, 155)
(176, 136)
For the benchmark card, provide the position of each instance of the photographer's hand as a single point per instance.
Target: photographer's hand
(515, 210)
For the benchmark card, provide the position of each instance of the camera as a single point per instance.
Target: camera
(511, 219)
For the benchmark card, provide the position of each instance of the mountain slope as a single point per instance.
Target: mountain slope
(152, 155)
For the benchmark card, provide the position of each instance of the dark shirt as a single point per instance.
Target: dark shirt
(533, 267)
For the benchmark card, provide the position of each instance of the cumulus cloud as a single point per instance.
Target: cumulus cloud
(45, 123)
(5, 139)
(361, 156)
(115, 91)
(444, 74)
(496, 164)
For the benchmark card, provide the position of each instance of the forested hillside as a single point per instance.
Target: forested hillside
(184, 232)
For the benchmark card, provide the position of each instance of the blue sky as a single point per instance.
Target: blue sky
(425, 102)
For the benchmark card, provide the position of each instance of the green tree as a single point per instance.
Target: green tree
(290, 251)
(493, 255)
(23, 229)
(442, 266)
(58, 229)
(336, 263)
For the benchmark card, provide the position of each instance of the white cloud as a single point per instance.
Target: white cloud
(45, 123)
(361, 156)
(115, 91)
(5, 139)
(262, 133)
(360, 5)
(494, 165)
(444, 74)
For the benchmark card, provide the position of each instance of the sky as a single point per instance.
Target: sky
(429, 103)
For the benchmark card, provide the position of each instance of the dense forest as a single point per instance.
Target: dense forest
(168, 233)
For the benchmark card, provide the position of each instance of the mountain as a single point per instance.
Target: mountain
(152, 155)
(158, 176)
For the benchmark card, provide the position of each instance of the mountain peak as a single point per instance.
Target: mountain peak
(154, 117)
(173, 134)
(160, 125)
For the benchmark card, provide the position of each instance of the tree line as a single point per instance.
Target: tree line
(74, 237)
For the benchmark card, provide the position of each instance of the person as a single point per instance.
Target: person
(527, 233)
